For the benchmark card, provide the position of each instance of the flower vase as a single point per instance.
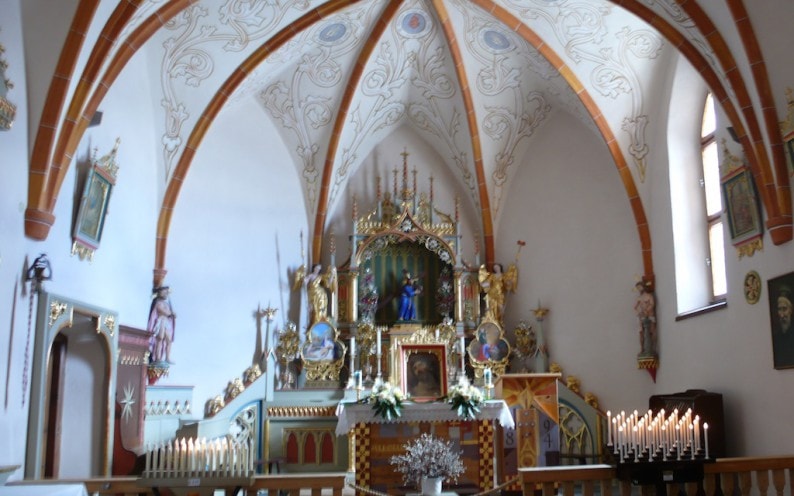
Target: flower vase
(431, 485)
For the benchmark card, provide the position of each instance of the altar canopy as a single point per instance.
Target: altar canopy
(405, 239)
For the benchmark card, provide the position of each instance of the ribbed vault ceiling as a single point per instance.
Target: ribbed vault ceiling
(475, 78)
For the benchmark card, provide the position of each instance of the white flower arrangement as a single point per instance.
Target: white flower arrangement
(465, 398)
(426, 457)
(386, 400)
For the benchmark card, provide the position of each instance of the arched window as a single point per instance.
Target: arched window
(713, 200)
(695, 195)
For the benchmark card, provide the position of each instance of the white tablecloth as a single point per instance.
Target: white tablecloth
(53, 489)
(352, 413)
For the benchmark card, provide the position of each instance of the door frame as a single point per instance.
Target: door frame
(53, 314)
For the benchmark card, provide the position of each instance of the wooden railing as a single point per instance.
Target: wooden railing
(293, 484)
(724, 477)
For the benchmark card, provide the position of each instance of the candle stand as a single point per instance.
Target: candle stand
(659, 470)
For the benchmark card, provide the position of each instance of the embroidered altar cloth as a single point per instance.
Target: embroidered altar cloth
(351, 414)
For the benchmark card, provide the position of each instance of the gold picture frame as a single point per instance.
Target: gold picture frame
(745, 225)
(91, 215)
(323, 355)
(424, 371)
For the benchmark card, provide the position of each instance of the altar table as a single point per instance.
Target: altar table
(352, 413)
(373, 440)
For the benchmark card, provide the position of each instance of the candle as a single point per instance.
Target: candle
(358, 379)
(436, 333)
(697, 432)
(615, 431)
(487, 376)
(352, 352)
(609, 426)
(706, 437)
(156, 462)
(462, 355)
(148, 458)
(378, 344)
(191, 457)
(251, 457)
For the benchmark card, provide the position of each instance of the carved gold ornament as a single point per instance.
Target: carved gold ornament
(110, 323)
(251, 374)
(213, 406)
(234, 388)
(301, 411)
(57, 308)
(752, 287)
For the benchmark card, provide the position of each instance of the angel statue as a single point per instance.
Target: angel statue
(494, 285)
(317, 287)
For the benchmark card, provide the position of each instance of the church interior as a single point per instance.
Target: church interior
(248, 241)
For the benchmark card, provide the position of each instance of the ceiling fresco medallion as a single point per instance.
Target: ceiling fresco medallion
(413, 24)
(333, 34)
(495, 41)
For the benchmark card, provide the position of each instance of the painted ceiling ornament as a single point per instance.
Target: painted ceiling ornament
(333, 33)
(413, 24)
(495, 41)
(7, 109)
(188, 59)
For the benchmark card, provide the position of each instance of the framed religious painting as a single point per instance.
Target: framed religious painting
(424, 371)
(489, 344)
(788, 143)
(322, 355)
(781, 303)
(93, 208)
(489, 350)
(741, 205)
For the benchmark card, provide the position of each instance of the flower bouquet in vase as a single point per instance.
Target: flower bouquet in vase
(465, 398)
(427, 463)
(386, 400)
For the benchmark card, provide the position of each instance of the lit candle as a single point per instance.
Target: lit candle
(616, 432)
(609, 426)
(706, 436)
(697, 432)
